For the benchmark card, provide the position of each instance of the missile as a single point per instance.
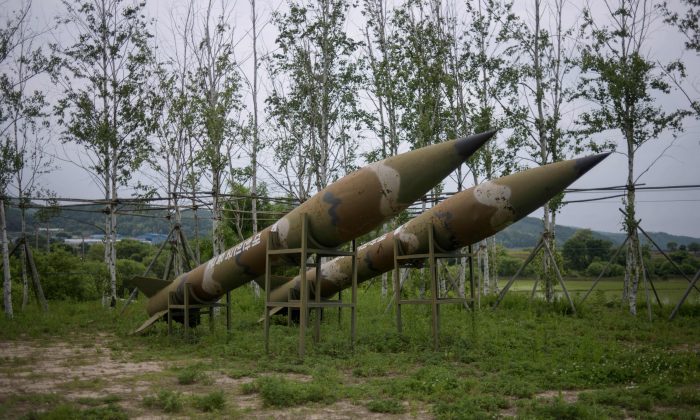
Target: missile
(463, 219)
(346, 209)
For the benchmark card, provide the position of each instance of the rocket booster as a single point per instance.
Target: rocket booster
(463, 219)
(346, 209)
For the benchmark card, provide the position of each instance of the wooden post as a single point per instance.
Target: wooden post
(304, 303)
(268, 274)
(685, 296)
(558, 273)
(353, 308)
(433, 287)
(38, 291)
(186, 321)
(397, 285)
(317, 298)
(517, 273)
(605, 269)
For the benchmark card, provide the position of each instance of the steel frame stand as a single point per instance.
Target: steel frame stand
(685, 296)
(175, 237)
(304, 303)
(203, 307)
(23, 246)
(541, 244)
(434, 254)
(645, 275)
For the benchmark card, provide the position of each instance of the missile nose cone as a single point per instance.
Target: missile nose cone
(466, 146)
(584, 164)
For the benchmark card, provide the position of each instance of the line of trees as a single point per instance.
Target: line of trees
(206, 107)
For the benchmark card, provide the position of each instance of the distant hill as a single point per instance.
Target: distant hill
(85, 220)
(88, 220)
(525, 233)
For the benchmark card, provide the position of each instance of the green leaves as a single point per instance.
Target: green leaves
(316, 77)
(105, 106)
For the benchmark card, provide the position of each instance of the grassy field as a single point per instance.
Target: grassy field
(526, 359)
(669, 291)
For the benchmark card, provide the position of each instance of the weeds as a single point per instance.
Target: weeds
(386, 406)
(213, 401)
(489, 362)
(168, 401)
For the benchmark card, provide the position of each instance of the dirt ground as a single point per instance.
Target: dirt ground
(80, 372)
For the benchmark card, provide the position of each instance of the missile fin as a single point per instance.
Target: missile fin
(150, 321)
(148, 285)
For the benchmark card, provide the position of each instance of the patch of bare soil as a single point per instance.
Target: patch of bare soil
(74, 371)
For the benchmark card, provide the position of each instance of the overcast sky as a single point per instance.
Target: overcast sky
(673, 211)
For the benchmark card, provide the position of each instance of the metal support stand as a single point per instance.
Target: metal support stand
(541, 244)
(645, 275)
(685, 296)
(303, 303)
(178, 244)
(202, 307)
(413, 260)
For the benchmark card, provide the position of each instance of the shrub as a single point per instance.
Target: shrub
(212, 401)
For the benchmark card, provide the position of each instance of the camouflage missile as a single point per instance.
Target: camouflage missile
(463, 219)
(346, 209)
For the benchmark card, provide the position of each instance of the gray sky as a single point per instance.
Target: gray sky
(676, 212)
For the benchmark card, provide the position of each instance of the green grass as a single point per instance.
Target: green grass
(386, 406)
(168, 401)
(213, 401)
(192, 374)
(489, 363)
(69, 411)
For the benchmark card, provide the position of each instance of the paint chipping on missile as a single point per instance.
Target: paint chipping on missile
(498, 196)
(281, 228)
(333, 272)
(390, 183)
(408, 240)
(209, 285)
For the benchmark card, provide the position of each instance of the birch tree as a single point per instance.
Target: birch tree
(383, 89)
(547, 61)
(104, 108)
(623, 86)
(314, 104)
(23, 119)
(216, 104)
(485, 96)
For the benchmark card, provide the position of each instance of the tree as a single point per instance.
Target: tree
(672, 246)
(547, 62)
(104, 108)
(215, 85)
(583, 248)
(174, 131)
(314, 103)
(687, 23)
(22, 119)
(623, 87)
(485, 96)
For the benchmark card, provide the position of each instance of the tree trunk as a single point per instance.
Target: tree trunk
(254, 153)
(484, 248)
(7, 281)
(23, 256)
(113, 243)
(633, 268)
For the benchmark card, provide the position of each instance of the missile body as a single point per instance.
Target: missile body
(463, 219)
(346, 209)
